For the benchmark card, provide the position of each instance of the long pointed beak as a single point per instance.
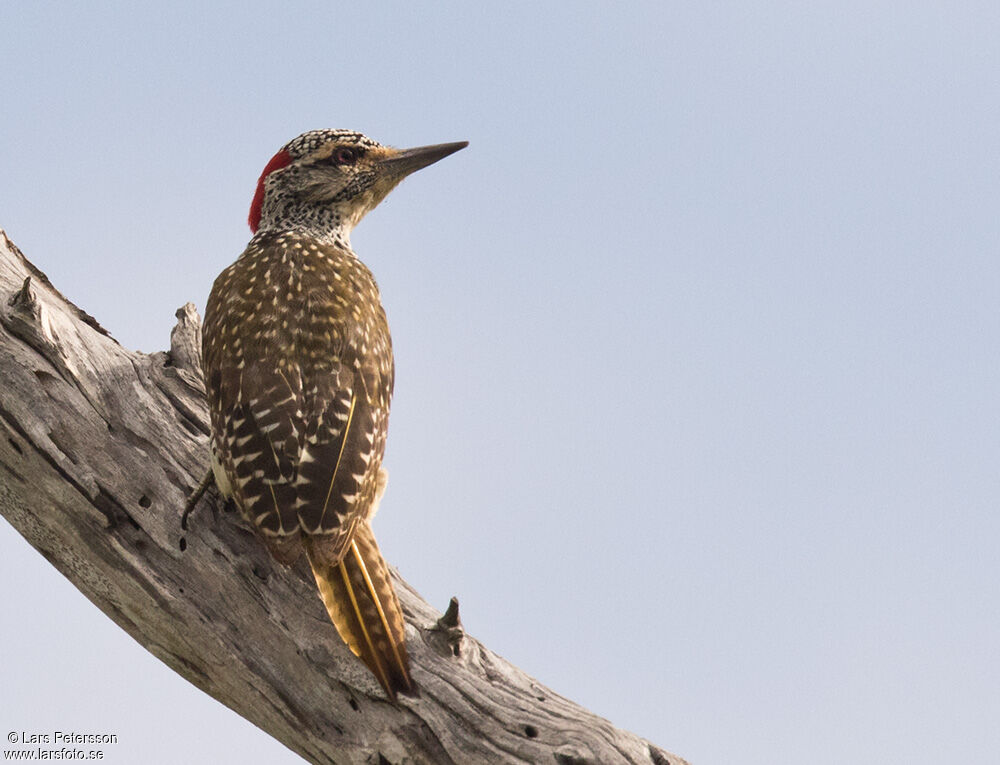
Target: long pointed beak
(408, 161)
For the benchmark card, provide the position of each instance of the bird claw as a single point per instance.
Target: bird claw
(194, 497)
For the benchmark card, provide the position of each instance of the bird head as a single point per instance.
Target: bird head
(328, 180)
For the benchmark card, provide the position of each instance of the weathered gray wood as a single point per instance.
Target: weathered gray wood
(98, 447)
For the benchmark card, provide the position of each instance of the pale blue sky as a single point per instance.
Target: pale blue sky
(696, 343)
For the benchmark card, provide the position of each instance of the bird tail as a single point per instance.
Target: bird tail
(362, 604)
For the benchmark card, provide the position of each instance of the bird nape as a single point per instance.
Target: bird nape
(299, 370)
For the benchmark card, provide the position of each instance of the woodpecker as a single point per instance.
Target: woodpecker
(299, 372)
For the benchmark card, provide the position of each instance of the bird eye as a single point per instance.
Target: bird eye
(345, 155)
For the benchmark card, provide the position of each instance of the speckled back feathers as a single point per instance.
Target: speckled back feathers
(300, 380)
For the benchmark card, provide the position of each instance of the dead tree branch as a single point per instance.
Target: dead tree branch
(98, 448)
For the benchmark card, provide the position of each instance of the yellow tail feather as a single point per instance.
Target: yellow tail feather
(362, 604)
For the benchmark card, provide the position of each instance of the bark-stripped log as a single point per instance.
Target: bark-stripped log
(98, 448)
